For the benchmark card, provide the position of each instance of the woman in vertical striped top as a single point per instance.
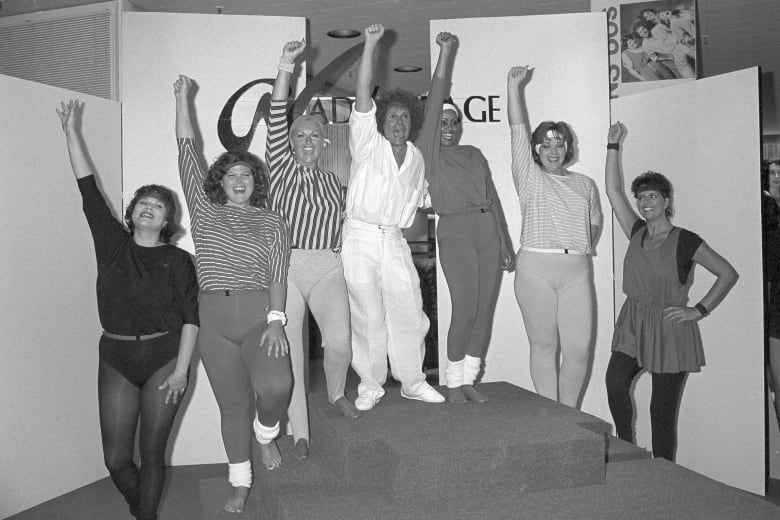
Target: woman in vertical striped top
(242, 253)
(561, 220)
(311, 201)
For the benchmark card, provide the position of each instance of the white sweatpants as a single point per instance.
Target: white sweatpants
(385, 306)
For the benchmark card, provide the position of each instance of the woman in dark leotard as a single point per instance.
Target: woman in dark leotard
(148, 304)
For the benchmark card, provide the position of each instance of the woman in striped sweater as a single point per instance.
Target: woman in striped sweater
(242, 253)
(561, 221)
(311, 201)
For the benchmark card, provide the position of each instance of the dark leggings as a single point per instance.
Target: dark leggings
(244, 378)
(470, 254)
(664, 403)
(122, 404)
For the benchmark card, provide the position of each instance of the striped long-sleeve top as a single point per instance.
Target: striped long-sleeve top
(557, 210)
(310, 200)
(235, 248)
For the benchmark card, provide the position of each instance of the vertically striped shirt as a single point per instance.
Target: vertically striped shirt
(311, 200)
(235, 248)
(557, 210)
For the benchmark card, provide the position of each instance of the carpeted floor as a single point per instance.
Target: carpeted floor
(395, 483)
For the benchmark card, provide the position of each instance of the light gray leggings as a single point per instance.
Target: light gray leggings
(316, 277)
(555, 294)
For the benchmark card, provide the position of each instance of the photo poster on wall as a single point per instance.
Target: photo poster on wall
(651, 43)
(710, 151)
(568, 83)
(49, 325)
(221, 53)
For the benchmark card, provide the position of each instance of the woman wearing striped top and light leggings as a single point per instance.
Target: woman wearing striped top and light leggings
(311, 200)
(242, 252)
(561, 217)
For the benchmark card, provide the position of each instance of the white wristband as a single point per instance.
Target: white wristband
(286, 66)
(276, 316)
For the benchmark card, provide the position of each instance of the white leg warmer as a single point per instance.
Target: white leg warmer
(240, 475)
(454, 374)
(471, 366)
(264, 434)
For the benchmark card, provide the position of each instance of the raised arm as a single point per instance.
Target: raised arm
(79, 162)
(184, 126)
(373, 33)
(613, 178)
(514, 81)
(448, 44)
(290, 53)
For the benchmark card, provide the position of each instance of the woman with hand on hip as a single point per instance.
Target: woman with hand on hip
(656, 330)
(311, 200)
(148, 304)
(242, 252)
(473, 241)
(561, 218)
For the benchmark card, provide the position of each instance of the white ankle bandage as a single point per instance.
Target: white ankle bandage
(240, 475)
(264, 434)
(454, 374)
(471, 366)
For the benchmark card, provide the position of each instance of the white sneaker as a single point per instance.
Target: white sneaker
(423, 392)
(367, 399)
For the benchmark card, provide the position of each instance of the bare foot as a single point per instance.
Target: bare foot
(269, 453)
(301, 448)
(472, 395)
(346, 408)
(237, 500)
(455, 395)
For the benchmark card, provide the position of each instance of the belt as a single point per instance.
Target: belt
(366, 225)
(559, 251)
(231, 292)
(138, 337)
(477, 209)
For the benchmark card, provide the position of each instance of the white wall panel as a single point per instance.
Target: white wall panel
(705, 137)
(565, 85)
(49, 328)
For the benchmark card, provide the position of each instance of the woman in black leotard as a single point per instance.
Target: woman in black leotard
(148, 305)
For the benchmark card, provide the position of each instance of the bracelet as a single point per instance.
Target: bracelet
(613, 146)
(276, 316)
(286, 66)
(702, 309)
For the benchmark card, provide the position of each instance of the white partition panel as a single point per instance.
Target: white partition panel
(221, 53)
(568, 54)
(49, 327)
(704, 136)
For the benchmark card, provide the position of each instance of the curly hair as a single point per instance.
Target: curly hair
(540, 134)
(213, 183)
(165, 196)
(642, 23)
(765, 171)
(404, 99)
(656, 181)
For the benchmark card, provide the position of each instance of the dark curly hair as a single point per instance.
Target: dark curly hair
(642, 23)
(765, 172)
(213, 183)
(559, 127)
(405, 99)
(656, 181)
(165, 195)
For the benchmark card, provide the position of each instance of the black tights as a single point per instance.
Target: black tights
(664, 403)
(121, 404)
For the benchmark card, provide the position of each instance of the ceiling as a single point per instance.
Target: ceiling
(734, 34)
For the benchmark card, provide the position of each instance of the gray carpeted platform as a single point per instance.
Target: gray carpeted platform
(519, 456)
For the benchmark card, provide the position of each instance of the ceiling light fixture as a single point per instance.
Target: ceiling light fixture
(343, 33)
(408, 68)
